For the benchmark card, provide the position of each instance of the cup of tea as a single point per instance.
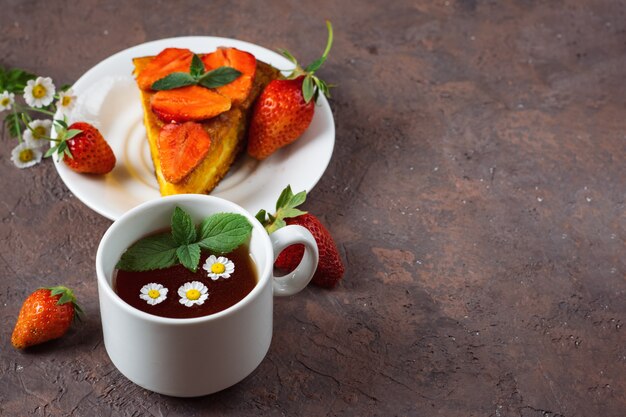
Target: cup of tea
(189, 357)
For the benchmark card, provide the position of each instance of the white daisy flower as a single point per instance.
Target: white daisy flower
(39, 92)
(6, 101)
(218, 267)
(66, 101)
(39, 130)
(153, 293)
(192, 293)
(24, 155)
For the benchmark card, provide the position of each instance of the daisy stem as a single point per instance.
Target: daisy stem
(17, 125)
(49, 113)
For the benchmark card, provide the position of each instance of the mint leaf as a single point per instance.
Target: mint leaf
(153, 252)
(197, 67)
(189, 256)
(219, 77)
(224, 232)
(174, 80)
(183, 229)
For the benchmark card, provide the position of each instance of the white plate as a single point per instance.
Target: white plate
(109, 98)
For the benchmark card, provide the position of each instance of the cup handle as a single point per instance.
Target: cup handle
(296, 280)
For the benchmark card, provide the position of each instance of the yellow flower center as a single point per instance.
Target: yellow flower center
(193, 294)
(39, 132)
(66, 101)
(26, 155)
(154, 294)
(5, 101)
(39, 91)
(218, 268)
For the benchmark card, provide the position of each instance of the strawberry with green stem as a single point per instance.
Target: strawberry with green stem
(83, 148)
(285, 108)
(330, 269)
(46, 314)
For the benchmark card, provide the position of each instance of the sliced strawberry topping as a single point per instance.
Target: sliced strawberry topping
(168, 61)
(242, 61)
(181, 148)
(191, 103)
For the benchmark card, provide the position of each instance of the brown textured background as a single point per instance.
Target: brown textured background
(476, 192)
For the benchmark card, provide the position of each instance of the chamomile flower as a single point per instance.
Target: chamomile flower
(66, 101)
(39, 92)
(218, 267)
(24, 155)
(153, 293)
(38, 132)
(6, 101)
(192, 293)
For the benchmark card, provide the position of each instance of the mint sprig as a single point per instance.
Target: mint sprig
(285, 208)
(219, 233)
(197, 75)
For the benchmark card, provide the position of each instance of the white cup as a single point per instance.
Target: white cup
(197, 356)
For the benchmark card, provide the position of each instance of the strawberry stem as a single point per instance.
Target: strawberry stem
(312, 85)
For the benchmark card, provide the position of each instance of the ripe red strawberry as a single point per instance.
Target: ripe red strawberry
(280, 116)
(45, 315)
(83, 148)
(330, 269)
(285, 108)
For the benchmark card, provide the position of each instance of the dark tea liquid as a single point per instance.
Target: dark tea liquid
(223, 293)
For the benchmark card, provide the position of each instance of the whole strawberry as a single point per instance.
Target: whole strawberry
(45, 315)
(285, 108)
(83, 148)
(330, 269)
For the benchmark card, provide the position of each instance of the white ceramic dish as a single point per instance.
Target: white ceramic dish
(109, 98)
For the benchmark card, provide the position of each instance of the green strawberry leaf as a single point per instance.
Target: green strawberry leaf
(289, 56)
(189, 256)
(183, 229)
(285, 208)
(71, 133)
(219, 77)
(315, 65)
(260, 216)
(285, 196)
(197, 67)
(152, 252)
(224, 232)
(174, 80)
(308, 89)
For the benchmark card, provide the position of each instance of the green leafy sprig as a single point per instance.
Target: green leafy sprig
(219, 233)
(197, 75)
(285, 208)
(311, 84)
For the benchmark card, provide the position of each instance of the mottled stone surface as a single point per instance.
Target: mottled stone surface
(476, 192)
